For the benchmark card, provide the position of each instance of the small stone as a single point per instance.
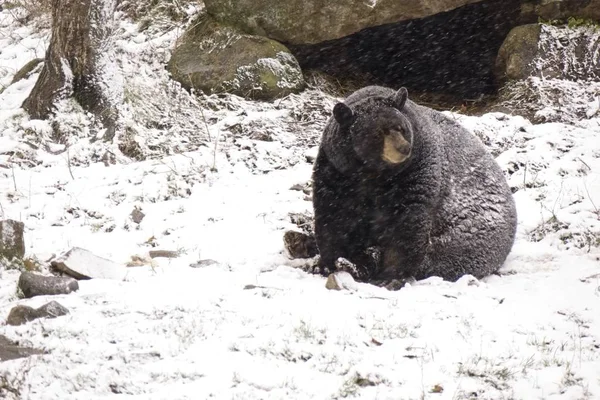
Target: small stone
(83, 264)
(137, 215)
(163, 254)
(340, 280)
(204, 263)
(22, 314)
(38, 285)
(12, 242)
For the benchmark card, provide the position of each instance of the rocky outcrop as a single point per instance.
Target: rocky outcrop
(551, 52)
(451, 53)
(314, 21)
(550, 73)
(216, 58)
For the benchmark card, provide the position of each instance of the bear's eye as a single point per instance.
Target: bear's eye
(395, 131)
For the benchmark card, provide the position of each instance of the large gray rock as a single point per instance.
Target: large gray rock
(217, 58)
(83, 264)
(12, 242)
(551, 52)
(38, 285)
(314, 21)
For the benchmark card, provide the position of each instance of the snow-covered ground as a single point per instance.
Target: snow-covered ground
(251, 325)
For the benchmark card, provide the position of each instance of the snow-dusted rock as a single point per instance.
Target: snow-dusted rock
(340, 280)
(12, 243)
(137, 215)
(550, 52)
(83, 264)
(22, 314)
(38, 285)
(217, 58)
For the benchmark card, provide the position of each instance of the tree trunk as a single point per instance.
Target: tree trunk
(80, 62)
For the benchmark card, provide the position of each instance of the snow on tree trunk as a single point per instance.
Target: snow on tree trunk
(80, 62)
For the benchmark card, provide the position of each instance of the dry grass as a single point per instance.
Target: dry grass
(27, 11)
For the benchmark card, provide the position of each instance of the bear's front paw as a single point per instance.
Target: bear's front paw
(342, 264)
(318, 268)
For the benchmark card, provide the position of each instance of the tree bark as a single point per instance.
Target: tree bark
(80, 63)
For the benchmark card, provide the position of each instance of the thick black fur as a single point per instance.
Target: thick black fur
(446, 210)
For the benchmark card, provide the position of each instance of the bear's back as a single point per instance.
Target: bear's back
(476, 198)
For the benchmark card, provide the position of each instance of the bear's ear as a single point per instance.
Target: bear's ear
(343, 114)
(399, 98)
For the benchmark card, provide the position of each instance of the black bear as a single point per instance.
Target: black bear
(413, 183)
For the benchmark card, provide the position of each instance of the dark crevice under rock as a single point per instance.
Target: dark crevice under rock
(451, 53)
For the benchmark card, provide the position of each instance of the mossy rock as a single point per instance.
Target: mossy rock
(216, 58)
(552, 52)
(517, 53)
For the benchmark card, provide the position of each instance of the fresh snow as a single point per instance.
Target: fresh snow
(251, 325)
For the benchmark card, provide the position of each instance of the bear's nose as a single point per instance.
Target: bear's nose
(399, 142)
(396, 149)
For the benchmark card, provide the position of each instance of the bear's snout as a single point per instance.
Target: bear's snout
(396, 149)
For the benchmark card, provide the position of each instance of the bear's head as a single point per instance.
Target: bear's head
(380, 135)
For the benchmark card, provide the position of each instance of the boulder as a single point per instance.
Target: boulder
(38, 285)
(551, 52)
(314, 21)
(516, 55)
(217, 58)
(83, 264)
(22, 314)
(12, 242)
